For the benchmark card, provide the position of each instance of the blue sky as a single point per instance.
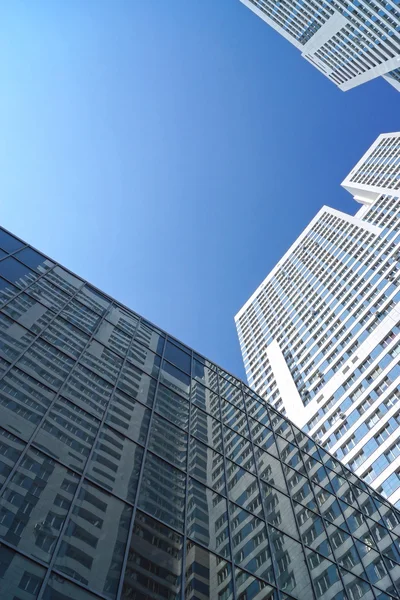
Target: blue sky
(170, 152)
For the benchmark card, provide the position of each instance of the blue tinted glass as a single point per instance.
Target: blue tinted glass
(8, 242)
(33, 259)
(16, 272)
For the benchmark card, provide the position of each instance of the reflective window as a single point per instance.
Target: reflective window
(172, 406)
(66, 337)
(205, 399)
(8, 242)
(175, 379)
(102, 361)
(114, 338)
(278, 510)
(176, 356)
(205, 375)
(144, 358)
(243, 488)
(263, 436)
(250, 587)
(325, 576)
(28, 312)
(66, 281)
(162, 492)
(35, 503)
(128, 416)
(251, 548)
(231, 392)
(34, 260)
(115, 463)
(168, 441)
(123, 319)
(207, 465)
(290, 565)
(239, 449)
(88, 390)
(46, 363)
(14, 338)
(137, 384)
(10, 450)
(58, 588)
(24, 401)
(93, 299)
(207, 519)
(207, 575)
(270, 469)
(92, 547)
(7, 291)
(257, 410)
(234, 418)
(48, 294)
(157, 572)
(16, 272)
(20, 578)
(150, 337)
(206, 428)
(81, 316)
(68, 434)
(355, 587)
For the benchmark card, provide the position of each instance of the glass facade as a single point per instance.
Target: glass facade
(133, 468)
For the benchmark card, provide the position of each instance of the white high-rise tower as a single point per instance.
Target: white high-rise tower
(349, 41)
(320, 337)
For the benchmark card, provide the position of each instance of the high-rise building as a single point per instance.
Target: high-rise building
(349, 41)
(320, 336)
(133, 468)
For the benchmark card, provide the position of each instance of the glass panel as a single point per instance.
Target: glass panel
(123, 319)
(355, 587)
(93, 299)
(172, 406)
(113, 337)
(290, 565)
(68, 434)
(88, 390)
(207, 465)
(175, 379)
(312, 531)
(66, 337)
(299, 488)
(234, 418)
(176, 356)
(137, 384)
(250, 587)
(325, 577)
(250, 543)
(290, 454)
(128, 416)
(207, 429)
(47, 363)
(102, 361)
(16, 272)
(8, 242)
(10, 450)
(7, 291)
(207, 520)
(150, 337)
(207, 576)
(168, 441)
(162, 491)
(154, 564)
(243, 488)
(239, 449)
(66, 281)
(24, 401)
(205, 399)
(231, 392)
(93, 544)
(14, 338)
(144, 358)
(20, 579)
(270, 469)
(58, 588)
(278, 510)
(35, 504)
(48, 294)
(257, 410)
(374, 565)
(34, 260)
(115, 464)
(205, 375)
(77, 314)
(29, 313)
(263, 436)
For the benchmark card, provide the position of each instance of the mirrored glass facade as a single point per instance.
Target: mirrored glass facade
(133, 468)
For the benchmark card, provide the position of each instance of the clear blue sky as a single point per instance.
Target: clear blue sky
(171, 151)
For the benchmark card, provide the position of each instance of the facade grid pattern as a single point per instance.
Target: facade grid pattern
(131, 467)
